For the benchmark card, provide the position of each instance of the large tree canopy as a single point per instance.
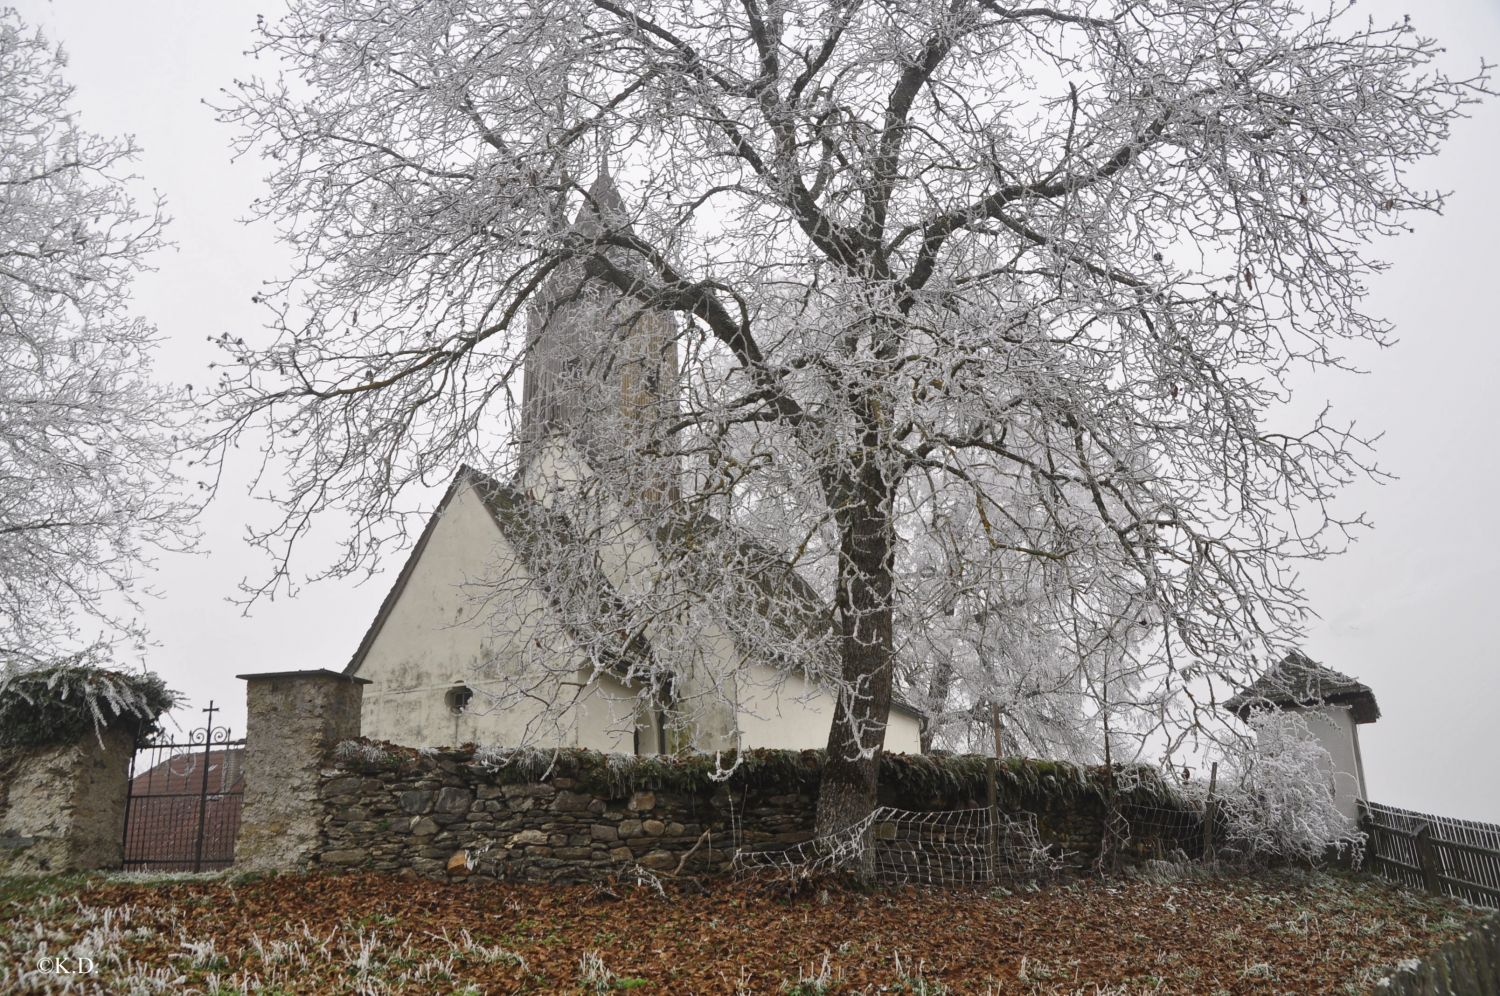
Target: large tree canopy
(1025, 279)
(87, 438)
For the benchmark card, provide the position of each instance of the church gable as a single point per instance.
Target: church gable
(747, 653)
(465, 619)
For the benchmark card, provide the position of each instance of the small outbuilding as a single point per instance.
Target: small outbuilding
(1335, 706)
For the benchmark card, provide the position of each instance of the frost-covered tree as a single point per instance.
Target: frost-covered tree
(1067, 250)
(1280, 790)
(87, 438)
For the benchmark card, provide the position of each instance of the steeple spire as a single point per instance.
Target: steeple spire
(600, 370)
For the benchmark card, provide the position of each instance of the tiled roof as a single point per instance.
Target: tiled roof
(1300, 681)
(166, 801)
(540, 536)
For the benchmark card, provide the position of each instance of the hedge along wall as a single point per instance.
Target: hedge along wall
(578, 815)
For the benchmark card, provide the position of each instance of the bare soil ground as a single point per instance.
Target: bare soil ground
(1268, 933)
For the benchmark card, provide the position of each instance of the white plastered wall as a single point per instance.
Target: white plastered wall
(789, 711)
(437, 635)
(772, 710)
(1335, 729)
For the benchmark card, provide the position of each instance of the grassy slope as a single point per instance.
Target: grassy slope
(365, 933)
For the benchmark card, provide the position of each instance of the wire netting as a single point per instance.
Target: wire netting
(904, 847)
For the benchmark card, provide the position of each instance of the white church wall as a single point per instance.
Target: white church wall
(609, 715)
(772, 710)
(787, 710)
(904, 734)
(436, 635)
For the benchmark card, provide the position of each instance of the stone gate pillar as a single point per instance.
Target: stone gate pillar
(62, 807)
(294, 720)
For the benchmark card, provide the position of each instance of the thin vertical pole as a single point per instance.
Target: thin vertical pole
(992, 793)
(1210, 813)
(129, 799)
(208, 739)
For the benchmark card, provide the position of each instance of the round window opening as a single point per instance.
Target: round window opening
(458, 698)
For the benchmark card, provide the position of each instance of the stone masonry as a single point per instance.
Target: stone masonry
(62, 808)
(449, 812)
(447, 815)
(294, 719)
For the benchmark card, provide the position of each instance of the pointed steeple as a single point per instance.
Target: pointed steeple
(603, 208)
(599, 369)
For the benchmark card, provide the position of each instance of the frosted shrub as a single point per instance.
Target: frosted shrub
(358, 752)
(1281, 797)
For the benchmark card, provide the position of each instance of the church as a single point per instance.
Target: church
(521, 616)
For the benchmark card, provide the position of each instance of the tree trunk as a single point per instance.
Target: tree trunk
(937, 701)
(864, 602)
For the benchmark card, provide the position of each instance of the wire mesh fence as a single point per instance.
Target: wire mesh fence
(1150, 828)
(1443, 855)
(962, 847)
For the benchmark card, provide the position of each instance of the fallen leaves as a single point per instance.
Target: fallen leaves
(365, 933)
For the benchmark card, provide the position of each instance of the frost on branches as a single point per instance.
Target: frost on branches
(982, 313)
(86, 437)
(1280, 799)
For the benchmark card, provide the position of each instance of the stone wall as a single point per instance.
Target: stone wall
(1470, 964)
(463, 812)
(62, 808)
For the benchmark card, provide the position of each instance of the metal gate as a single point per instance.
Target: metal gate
(182, 812)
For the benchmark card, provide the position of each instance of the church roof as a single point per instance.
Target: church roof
(774, 593)
(538, 534)
(773, 589)
(1299, 681)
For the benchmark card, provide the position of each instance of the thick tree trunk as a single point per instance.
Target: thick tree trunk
(865, 585)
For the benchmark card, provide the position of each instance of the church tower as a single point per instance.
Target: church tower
(600, 367)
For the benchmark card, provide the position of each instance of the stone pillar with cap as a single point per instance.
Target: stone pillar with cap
(294, 720)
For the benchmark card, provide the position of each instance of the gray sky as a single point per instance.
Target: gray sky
(1408, 610)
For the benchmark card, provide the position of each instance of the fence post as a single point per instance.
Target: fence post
(1210, 813)
(1427, 860)
(992, 793)
(1370, 828)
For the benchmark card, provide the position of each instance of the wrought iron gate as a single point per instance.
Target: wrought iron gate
(182, 812)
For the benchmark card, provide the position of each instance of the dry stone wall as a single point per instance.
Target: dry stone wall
(461, 812)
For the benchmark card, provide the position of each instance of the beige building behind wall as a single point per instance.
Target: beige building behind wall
(463, 650)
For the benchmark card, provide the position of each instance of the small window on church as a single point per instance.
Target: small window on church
(458, 698)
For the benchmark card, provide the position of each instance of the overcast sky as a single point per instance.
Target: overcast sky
(1409, 610)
